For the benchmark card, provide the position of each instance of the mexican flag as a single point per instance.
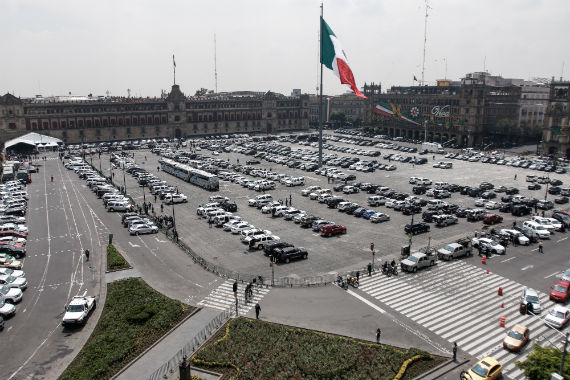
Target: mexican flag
(333, 57)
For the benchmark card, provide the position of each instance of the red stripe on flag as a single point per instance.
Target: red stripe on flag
(346, 77)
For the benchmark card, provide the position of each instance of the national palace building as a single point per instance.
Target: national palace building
(92, 119)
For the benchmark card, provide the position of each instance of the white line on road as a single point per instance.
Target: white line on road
(372, 305)
(509, 259)
(553, 274)
(527, 267)
(564, 238)
(134, 245)
(532, 250)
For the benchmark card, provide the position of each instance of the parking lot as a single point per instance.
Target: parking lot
(326, 255)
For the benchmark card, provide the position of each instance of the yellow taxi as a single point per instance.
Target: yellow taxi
(485, 369)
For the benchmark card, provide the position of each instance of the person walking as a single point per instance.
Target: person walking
(515, 177)
(87, 255)
(369, 269)
(52, 178)
(161, 207)
(378, 333)
(454, 351)
(540, 247)
(257, 310)
(290, 200)
(358, 275)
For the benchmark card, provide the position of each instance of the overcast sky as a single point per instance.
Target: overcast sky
(54, 47)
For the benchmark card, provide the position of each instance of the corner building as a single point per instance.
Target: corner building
(176, 115)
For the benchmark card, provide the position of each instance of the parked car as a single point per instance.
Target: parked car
(290, 253)
(416, 228)
(332, 229)
(560, 292)
(557, 317)
(530, 298)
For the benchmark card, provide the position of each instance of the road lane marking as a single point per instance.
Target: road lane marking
(550, 275)
(532, 250)
(371, 304)
(509, 259)
(134, 245)
(564, 238)
(527, 267)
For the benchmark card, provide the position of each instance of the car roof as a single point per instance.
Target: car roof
(489, 361)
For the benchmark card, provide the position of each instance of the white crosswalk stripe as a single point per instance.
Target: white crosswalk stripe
(460, 303)
(222, 298)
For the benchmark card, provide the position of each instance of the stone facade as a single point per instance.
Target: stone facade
(555, 132)
(110, 119)
(469, 112)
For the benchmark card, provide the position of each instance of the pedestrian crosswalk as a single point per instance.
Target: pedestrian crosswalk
(222, 298)
(460, 303)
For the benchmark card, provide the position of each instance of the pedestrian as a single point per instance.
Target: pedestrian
(515, 177)
(369, 267)
(514, 224)
(257, 310)
(158, 168)
(378, 333)
(210, 222)
(540, 247)
(155, 197)
(291, 202)
(87, 255)
(357, 275)
(273, 212)
(454, 351)
(175, 234)
(286, 202)
(52, 178)
(434, 156)
(235, 286)
(161, 207)
(328, 179)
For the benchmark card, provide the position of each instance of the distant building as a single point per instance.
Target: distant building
(478, 110)
(93, 119)
(555, 132)
(349, 104)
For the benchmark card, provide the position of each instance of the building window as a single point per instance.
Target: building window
(176, 118)
(64, 134)
(97, 132)
(128, 131)
(12, 125)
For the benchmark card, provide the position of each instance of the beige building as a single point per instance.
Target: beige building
(176, 115)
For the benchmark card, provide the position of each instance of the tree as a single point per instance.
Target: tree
(201, 92)
(542, 362)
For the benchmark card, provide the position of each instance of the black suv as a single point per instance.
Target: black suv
(428, 215)
(287, 254)
(416, 228)
(229, 206)
(270, 248)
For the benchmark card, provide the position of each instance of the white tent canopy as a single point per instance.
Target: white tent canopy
(34, 139)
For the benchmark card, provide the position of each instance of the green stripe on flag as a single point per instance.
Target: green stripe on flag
(328, 53)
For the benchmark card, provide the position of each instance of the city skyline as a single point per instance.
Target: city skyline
(62, 47)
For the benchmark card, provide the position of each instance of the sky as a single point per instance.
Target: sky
(56, 47)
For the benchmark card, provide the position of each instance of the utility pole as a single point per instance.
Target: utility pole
(215, 65)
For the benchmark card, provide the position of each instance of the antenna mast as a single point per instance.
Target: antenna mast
(215, 65)
(425, 41)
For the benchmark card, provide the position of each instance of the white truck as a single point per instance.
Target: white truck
(432, 147)
(79, 310)
(455, 250)
(417, 261)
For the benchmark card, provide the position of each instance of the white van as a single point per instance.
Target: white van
(436, 204)
(259, 198)
(441, 185)
(538, 229)
(376, 200)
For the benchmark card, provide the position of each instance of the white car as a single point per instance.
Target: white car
(13, 282)
(202, 209)
(78, 310)
(557, 317)
(545, 223)
(12, 272)
(14, 295)
(488, 245)
(267, 208)
(530, 296)
(390, 203)
(239, 227)
(175, 198)
(228, 226)
(514, 234)
(309, 190)
(491, 205)
(6, 309)
(480, 202)
(379, 217)
(143, 228)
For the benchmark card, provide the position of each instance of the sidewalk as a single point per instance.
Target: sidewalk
(168, 347)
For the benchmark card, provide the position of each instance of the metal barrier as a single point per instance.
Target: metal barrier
(192, 346)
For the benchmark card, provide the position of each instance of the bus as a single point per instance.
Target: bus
(187, 173)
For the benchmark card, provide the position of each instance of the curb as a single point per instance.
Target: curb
(459, 364)
(154, 344)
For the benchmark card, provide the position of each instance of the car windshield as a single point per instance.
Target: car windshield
(557, 314)
(8, 271)
(4, 289)
(448, 248)
(515, 335)
(75, 308)
(413, 258)
(532, 299)
(560, 288)
(480, 370)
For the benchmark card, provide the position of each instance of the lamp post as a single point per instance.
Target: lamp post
(124, 180)
(547, 183)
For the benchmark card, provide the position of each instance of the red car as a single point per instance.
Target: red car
(332, 229)
(560, 292)
(492, 219)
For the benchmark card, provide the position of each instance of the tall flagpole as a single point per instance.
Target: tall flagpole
(321, 90)
(174, 67)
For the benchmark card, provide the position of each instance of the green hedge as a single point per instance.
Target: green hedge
(253, 349)
(115, 261)
(134, 317)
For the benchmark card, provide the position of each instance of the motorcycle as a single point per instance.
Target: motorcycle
(394, 270)
(341, 283)
(352, 281)
(387, 269)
